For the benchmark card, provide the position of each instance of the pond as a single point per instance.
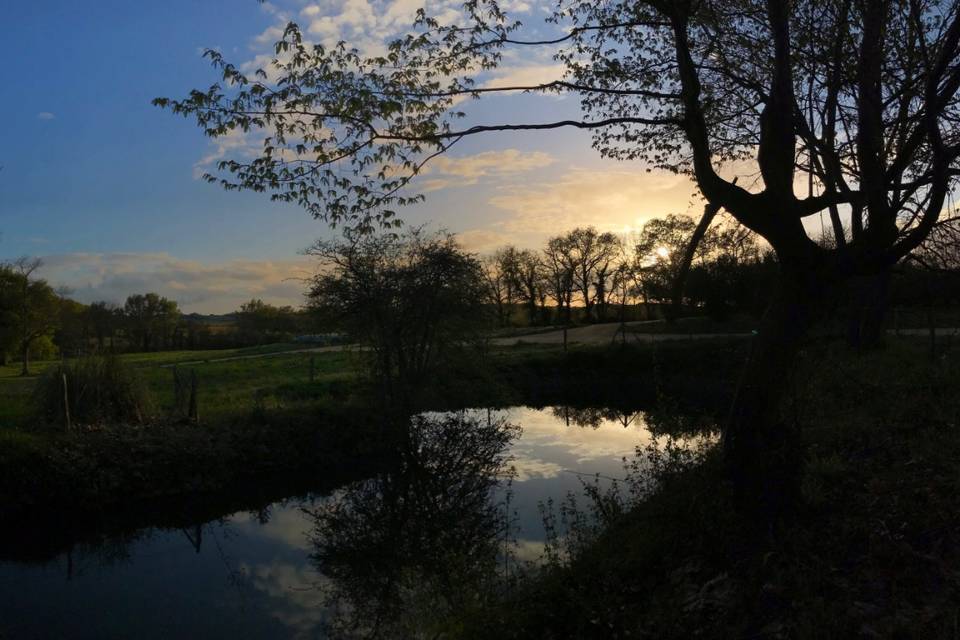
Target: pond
(385, 556)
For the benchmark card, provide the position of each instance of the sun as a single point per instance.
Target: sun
(662, 252)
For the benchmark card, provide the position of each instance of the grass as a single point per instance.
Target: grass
(226, 387)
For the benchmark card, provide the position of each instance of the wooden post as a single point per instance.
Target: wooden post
(66, 402)
(312, 367)
(193, 413)
(564, 337)
(177, 394)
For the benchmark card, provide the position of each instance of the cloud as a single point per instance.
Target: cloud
(45, 115)
(611, 200)
(205, 287)
(235, 144)
(483, 240)
(519, 75)
(467, 170)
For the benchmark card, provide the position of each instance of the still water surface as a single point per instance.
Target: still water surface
(263, 575)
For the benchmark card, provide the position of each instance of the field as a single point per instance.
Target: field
(229, 381)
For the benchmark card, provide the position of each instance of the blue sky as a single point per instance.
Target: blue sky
(103, 185)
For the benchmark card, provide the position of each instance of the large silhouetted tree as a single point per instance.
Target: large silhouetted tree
(842, 107)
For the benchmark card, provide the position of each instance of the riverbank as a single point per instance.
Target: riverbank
(872, 550)
(280, 429)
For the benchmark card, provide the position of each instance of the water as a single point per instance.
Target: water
(388, 548)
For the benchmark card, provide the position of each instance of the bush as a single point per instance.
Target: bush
(99, 390)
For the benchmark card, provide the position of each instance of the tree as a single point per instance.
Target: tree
(7, 318)
(104, 320)
(660, 248)
(416, 300)
(529, 281)
(73, 326)
(260, 322)
(31, 307)
(590, 249)
(497, 289)
(857, 101)
(150, 320)
(559, 278)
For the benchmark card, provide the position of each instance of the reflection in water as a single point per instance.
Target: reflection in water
(593, 417)
(393, 556)
(405, 550)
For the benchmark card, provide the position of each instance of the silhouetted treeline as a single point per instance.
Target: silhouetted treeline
(585, 275)
(38, 322)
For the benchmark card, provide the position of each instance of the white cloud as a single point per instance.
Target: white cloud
(235, 144)
(45, 115)
(467, 170)
(483, 240)
(205, 287)
(525, 75)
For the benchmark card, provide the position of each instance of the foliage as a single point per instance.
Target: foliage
(97, 390)
(262, 323)
(411, 548)
(29, 308)
(415, 300)
(151, 320)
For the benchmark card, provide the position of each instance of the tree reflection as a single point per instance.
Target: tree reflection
(405, 551)
(593, 417)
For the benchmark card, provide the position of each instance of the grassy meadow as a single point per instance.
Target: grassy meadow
(230, 381)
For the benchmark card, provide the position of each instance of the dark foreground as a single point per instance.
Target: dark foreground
(315, 531)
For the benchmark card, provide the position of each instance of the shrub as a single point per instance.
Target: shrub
(99, 390)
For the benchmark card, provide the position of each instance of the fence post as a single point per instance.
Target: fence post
(312, 367)
(193, 413)
(66, 401)
(564, 337)
(177, 394)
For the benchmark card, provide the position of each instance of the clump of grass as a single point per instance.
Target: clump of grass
(96, 390)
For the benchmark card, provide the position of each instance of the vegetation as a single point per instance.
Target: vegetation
(870, 550)
(859, 102)
(416, 301)
(92, 391)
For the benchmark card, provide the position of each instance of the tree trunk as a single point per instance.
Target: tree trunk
(25, 359)
(760, 448)
(869, 297)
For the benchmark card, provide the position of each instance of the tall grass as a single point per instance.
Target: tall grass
(96, 390)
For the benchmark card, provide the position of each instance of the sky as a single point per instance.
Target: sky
(105, 187)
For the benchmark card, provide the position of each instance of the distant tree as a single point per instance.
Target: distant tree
(589, 250)
(32, 307)
(74, 331)
(559, 275)
(497, 287)
(529, 276)
(659, 249)
(260, 322)
(8, 331)
(150, 320)
(104, 319)
(416, 299)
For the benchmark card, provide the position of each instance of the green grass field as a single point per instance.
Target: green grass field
(225, 387)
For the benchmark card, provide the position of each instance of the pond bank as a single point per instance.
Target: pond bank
(87, 476)
(871, 551)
